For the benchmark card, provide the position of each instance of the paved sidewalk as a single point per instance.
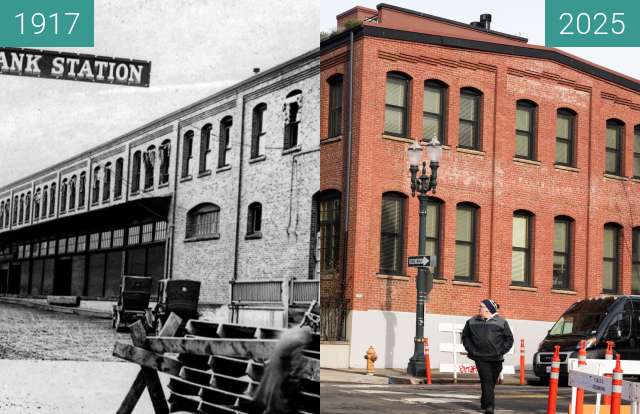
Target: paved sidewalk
(68, 387)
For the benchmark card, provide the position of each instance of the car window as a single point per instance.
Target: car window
(623, 322)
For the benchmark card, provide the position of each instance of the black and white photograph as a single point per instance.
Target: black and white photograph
(159, 213)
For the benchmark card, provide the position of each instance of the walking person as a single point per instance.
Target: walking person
(487, 337)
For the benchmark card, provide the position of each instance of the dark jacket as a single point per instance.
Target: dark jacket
(487, 339)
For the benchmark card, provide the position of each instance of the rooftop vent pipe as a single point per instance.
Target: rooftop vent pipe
(485, 21)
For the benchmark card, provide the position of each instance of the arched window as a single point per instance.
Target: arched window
(257, 129)
(7, 207)
(106, 182)
(81, 188)
(466, 241)
(72, 192)
(613, 147)
(636, 151)
(434, 110)
(96, 186)
(396, 112)
(149, 166)
(37, 199)
(433, 233)
(254, 220)
(45, 199)
(203, 221)
(635, 261)
(224, 143)
(562, 252)
(205, 149)
(1, 214)
(63, 196)
(469, 129)
(135, 172)
(27, 207)
(21, 214)
(292, 106)
(16, 201)
(52, 198)
(187, 153)
(165, 155)
(521, 247)
(392, 234)
(611, 258)
(565, 137)
(526, 129)
(117, 189)
(335, 105)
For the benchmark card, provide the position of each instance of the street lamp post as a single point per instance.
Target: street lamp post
(423, 185)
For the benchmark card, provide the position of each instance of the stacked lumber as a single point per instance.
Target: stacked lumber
(217, 367)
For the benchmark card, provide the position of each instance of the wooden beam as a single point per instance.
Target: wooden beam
(146, 358)
(253, 348)
(132, 397)
(171, 326)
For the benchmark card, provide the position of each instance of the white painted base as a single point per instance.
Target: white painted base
(392, 333)
(334, 355)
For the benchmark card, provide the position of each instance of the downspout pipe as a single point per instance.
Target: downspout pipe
(174, 203)
(237, 244)
(347, 173)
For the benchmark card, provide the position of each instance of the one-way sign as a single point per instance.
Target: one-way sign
(421, 261)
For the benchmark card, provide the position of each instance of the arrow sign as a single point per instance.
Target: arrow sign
(421, 261)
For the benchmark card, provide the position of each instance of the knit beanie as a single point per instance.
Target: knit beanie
(491, 305)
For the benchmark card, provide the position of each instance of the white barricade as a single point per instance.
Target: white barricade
(590, 378)
(455, 347)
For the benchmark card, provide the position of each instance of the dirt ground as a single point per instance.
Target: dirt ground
(31, 333)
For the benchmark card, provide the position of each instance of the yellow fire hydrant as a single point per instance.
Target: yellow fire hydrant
(371, 358)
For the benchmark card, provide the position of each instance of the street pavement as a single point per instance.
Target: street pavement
(348, 393)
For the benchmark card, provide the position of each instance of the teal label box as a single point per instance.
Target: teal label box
(44, 23)
(592, 23)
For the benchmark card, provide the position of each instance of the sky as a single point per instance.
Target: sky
(196, 47)
(523, 18)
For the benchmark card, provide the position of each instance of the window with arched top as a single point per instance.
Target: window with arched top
(613, 147)
(611, 258)
(14, 218)
(392, 233)
(135, 172)
(565, 137)
(203, 221)
(562, 252)
(187, 153)
(149, 166)
(117, 188)
(37, 199)
(254, 220)
(257, 129)
(635, 261)
(636, 151)
(63, 196)
(27, 207)
(466, 241)
(45, 199)
(526, 129)
(82, 188)
(335, 105)
(52, 199)
(292, 105)
(434, 110)
(521, 248)
(396, 105)
(95, 197)
(72, 192)
(1, 214)
(205, 147)
(469, 132)
(165, 155)
(224, 143)
(21, 213)
(106, 182)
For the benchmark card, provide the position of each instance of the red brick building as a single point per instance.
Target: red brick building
(538, 189)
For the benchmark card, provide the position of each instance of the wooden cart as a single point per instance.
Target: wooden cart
(179, 296)
(133, 301)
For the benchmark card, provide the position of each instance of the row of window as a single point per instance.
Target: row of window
(109, 239)
(392, 240)
(434, 111)
(203, 221)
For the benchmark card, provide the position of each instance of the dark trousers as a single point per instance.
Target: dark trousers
(489, 372)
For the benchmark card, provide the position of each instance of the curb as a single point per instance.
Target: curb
(89, 313)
